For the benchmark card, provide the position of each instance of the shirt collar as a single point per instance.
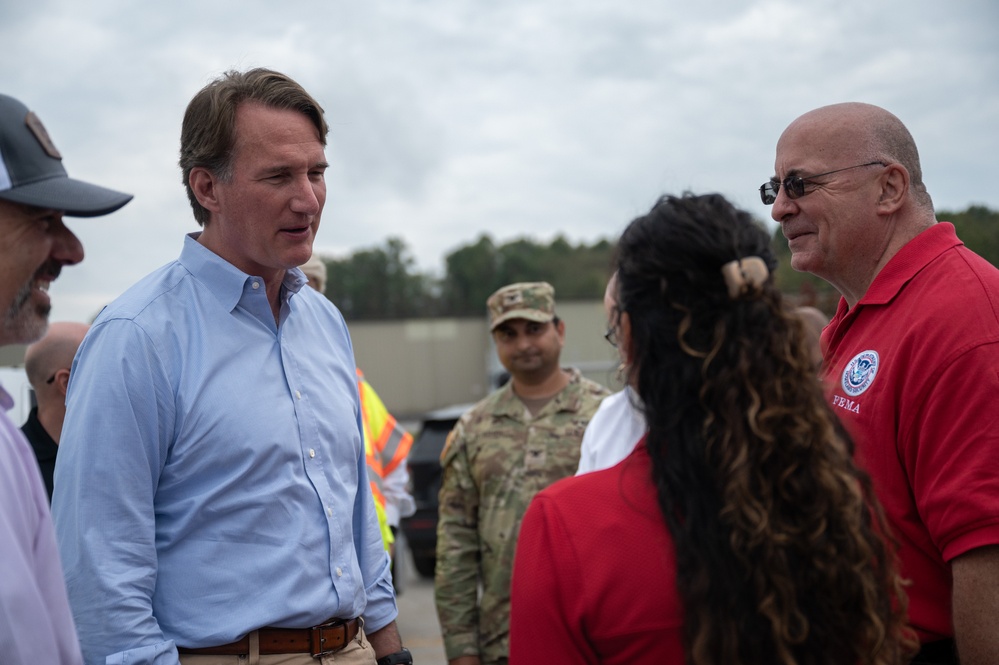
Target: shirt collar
(908, 261)
(227, 282)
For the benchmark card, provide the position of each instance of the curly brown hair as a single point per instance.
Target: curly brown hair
(781, 546)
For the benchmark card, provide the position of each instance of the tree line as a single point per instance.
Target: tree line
(977, 227)
(384, 283)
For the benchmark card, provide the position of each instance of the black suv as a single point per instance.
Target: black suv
(425, 477)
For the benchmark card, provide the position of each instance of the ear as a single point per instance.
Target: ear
(62, 382)
(204, 185)
(894, 189)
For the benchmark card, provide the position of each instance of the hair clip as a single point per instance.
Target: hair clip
(743, 275)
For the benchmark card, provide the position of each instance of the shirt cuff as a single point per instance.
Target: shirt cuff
(381, 610)
(161, 653)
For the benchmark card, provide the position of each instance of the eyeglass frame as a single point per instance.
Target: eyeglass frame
(794, 185)
(612, 335)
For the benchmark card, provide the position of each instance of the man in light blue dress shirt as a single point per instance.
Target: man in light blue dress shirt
(211, 496)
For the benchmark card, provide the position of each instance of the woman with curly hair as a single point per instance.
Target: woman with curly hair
(739, 531)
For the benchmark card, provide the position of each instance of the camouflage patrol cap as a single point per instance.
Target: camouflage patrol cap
(534, 301)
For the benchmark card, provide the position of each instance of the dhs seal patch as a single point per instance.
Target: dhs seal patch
(860, 372)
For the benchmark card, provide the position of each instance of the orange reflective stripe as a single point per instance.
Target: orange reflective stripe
(386, 444)
(396, 448)
(383, 437)
(376, 490)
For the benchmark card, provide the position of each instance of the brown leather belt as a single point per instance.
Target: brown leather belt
(319, 640)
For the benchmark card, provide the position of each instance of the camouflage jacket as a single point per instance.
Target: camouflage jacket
(495, 460)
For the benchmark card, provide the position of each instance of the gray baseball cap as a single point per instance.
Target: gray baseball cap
(31, 170)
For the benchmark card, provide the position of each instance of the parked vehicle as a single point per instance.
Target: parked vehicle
(424, 463)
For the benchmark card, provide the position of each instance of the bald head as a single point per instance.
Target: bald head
(849, 193)
(854, 132)
(53, 352)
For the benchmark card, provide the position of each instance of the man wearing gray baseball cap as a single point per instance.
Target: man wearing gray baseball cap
(35, 194)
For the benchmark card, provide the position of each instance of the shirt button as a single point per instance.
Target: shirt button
(298, 394)
(329, 511)
(339, 573)
(312, 452)
(256, 285)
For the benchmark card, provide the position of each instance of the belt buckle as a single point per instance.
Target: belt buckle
(317, 638)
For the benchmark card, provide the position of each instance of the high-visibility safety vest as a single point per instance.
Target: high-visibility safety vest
(386, 446)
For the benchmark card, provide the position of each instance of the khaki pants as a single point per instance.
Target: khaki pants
(358, 652)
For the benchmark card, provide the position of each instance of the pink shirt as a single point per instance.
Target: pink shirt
(36, 625)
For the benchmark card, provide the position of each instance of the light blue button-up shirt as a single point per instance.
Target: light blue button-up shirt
(211, 473)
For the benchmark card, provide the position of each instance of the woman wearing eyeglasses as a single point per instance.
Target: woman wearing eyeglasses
(739, 531)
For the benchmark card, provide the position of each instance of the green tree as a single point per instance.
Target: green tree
(470, 274)
(977, 227)
(474, 271)
(383, 282)
(379, 283)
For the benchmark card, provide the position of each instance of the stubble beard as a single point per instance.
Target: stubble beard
(22, 323)
(537, 369)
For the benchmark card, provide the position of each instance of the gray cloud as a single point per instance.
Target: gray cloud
(451, 118)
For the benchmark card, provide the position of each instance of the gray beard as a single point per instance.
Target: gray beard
(21, 324)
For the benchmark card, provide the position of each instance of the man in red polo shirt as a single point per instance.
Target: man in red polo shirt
(911, 358)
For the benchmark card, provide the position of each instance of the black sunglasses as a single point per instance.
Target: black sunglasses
(794, 185)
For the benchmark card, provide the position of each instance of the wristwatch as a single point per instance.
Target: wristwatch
(401, 657)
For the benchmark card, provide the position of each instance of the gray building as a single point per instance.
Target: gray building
(419, 365)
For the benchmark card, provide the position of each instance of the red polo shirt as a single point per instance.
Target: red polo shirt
(913, 372)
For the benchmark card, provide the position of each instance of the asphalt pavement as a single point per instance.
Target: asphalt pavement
(417, 621)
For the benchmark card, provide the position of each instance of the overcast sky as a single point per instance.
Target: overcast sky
(452, 118)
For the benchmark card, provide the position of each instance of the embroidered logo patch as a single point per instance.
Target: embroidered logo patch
(38, 129)
(860, 372)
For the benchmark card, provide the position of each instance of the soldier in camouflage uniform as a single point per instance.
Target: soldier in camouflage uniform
(512, 444)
